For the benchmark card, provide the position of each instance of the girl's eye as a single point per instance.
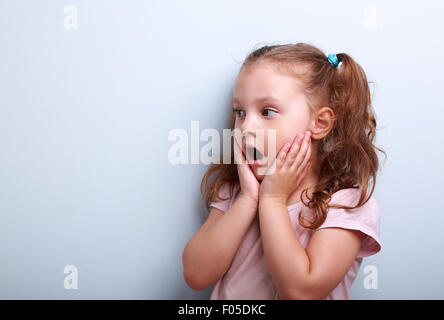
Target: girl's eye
(265, 111)
(238, 112)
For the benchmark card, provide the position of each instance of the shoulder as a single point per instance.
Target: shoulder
(228, 192)
(365, 218)
(350, 197)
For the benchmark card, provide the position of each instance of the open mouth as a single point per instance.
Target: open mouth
(253, 155)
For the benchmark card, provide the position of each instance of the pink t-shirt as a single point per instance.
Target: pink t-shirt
(248, 276)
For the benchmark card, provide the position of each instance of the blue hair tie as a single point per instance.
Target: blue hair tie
(333, 59)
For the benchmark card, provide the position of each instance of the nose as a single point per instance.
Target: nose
(248, 126)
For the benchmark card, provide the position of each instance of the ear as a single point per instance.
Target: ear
(322, 122)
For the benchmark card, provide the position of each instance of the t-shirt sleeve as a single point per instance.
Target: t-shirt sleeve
(365, 219)
(224, 205)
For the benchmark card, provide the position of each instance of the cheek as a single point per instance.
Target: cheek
(286, 132)
(298, 122)
(279, 143)
(291, 135)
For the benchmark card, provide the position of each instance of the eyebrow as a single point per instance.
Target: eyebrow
(262, 99)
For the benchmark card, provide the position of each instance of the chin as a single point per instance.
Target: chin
(259, 177)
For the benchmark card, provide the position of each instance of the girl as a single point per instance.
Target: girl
(261, 239)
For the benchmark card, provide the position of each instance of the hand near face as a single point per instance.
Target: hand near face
(291, 165)
(248, 182)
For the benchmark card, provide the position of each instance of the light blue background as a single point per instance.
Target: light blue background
(85, 115)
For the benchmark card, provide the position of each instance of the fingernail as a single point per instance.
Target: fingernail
(300, 137)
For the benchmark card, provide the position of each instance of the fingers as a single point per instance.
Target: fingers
(306, 160)
(303, 155)
(238, 155)
(282, 155)
(295, 147)
(295, 155)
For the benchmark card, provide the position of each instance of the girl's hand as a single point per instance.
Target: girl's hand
(291, 166)
(248, 182)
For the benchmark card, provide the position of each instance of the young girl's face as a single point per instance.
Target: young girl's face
(265, 98)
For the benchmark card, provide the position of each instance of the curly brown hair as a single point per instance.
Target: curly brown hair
(347, 156)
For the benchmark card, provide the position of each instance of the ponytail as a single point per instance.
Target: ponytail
(347, 155)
